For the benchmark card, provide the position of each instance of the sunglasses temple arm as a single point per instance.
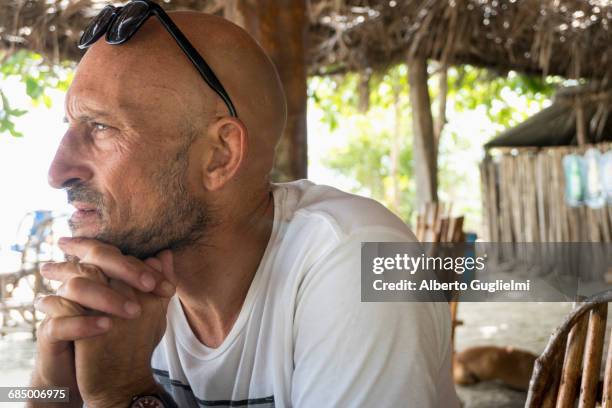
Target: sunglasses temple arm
(205, 71)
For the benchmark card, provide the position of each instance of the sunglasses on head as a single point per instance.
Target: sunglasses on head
(121, 23)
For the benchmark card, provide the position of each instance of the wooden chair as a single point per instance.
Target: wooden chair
(567, 374)
(436, 224)
(18, 314)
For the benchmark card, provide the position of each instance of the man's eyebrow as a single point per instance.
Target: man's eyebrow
(91, 114)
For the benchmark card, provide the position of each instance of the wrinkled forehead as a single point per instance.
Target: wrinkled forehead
(147, 72)
(117, 79)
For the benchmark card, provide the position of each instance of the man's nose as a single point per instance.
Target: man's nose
(67, 166)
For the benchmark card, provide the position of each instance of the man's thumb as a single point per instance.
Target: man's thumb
(167, 262)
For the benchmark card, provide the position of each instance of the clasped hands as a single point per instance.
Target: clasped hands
(103, 324)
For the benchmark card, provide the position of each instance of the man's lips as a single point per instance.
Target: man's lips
(84, 211)
(79, 206)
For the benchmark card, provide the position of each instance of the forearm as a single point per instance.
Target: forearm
(74, 397)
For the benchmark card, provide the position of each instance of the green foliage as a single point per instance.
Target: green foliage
(470, 88)
(366, 156)
(6, 115)
(37, 76)
(335, 96)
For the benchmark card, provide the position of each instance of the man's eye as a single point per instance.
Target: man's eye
(99, 126)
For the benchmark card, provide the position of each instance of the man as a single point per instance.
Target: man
(194, 280)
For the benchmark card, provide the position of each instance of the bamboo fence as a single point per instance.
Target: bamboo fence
(523, 198)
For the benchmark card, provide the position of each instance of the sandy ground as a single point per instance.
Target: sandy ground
(523, 325)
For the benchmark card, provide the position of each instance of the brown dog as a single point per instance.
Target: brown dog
(509, 365)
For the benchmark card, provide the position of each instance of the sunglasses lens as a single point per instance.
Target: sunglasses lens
(127, 22)
(96, 27)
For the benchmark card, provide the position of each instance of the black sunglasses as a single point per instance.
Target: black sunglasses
(121, 23)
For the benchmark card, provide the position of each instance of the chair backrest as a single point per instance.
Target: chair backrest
(435, 224)
(569, 368)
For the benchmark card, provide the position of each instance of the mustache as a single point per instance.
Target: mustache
(84, 194)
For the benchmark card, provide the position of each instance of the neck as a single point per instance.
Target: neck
(214, 276)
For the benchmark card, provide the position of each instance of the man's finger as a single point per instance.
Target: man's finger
(166, 258)
(154, 263)
(70, 328)
(63, 271)
(57, 306)
(116, 265)
(99, 297)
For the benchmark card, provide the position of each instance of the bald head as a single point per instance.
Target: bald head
(152, 157)
(150, 71)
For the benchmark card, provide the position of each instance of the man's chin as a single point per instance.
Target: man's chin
(85, 231)
(85, 224)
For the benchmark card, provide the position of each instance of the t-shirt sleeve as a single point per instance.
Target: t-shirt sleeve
(355, 354)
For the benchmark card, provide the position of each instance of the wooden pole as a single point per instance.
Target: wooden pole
(425, 155)
(280, 28)
(592, 356)
(395, 145)
(572, 365)
(442, 99)
(581, 127)
(606, 401)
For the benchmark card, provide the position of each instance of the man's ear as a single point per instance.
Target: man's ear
(228, 148)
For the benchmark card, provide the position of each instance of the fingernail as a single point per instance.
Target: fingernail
(132, 308)
(63, 240)
(147, 281)
(167, 288)
(45, 266)
(103, 323)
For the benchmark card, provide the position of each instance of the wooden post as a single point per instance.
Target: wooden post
(572, 365)
(592, 356)
(606, 401)
(425, 155)
(280, 28)
(364, 92)
(581, 127)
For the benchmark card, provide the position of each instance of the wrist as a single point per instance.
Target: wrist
(38, 381)
(122, 398)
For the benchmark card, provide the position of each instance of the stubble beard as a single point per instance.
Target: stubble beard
(178, 222)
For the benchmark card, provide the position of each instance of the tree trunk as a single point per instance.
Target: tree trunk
(425, 154)
(280, 28)
(395, 145)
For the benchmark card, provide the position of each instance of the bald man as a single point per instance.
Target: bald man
(191, 279)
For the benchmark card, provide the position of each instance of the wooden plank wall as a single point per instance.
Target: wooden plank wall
(523, 199)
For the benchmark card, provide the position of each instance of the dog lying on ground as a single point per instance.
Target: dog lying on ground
(509, 365)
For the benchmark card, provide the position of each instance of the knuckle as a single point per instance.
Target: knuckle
(73, 286)
(66, 304)
(51, 328)
(133, 262)
(45, 304)
(96, 252)
(40, 302)
(81, 329)
(93, 272)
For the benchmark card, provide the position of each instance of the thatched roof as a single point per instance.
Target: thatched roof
(571, 38)
(557, 124)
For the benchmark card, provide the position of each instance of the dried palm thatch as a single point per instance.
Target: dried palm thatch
(570, 38)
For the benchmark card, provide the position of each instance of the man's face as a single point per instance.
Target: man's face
(124, 163)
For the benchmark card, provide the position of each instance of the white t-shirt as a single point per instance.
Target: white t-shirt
(303, 337)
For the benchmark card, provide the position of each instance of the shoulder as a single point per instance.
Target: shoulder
(347, 214)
